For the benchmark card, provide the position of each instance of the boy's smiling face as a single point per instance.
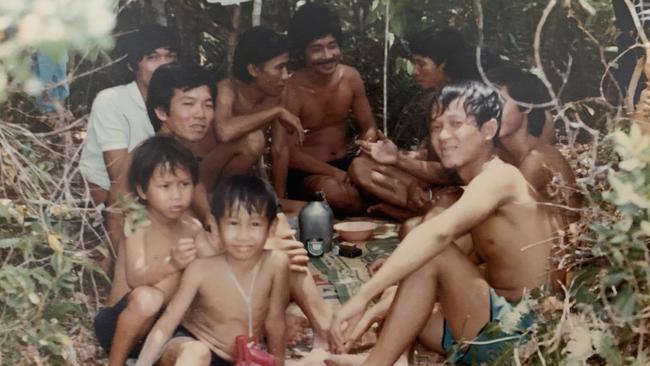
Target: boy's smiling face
(243, 233)
(169, 193)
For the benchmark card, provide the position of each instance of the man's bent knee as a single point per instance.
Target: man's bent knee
(254, 144)
(146, 301)
(359, 170)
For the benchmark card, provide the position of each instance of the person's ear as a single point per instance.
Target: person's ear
(253, 70)
(273, 227)
(161, 113)
(489, 129)
(141, 193)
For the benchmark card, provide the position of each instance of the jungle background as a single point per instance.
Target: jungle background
(51, 239)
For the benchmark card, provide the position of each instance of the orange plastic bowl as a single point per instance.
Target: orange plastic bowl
(355, 230)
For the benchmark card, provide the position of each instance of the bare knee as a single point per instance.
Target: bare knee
(346, 200)
(359, 170)
(193, 353)
(254, 144)
(146, 301)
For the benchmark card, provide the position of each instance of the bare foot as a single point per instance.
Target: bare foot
(357, 359)
(345, 360)
(296, 330)
(321, 341)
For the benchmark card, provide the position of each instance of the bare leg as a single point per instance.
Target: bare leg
(395, 212)
(344, 198)
(387, 183)
(462, 292)
(134, 322)
(185, 351)
(305, 293)
(249, 150)
(291, 207)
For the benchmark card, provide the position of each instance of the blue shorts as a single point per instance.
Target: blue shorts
(472, 354)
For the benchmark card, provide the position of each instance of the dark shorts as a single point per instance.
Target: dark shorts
(295, 178)
(106, 324)
(496, 340)
(215, 360)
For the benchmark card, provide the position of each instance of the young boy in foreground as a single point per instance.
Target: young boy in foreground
(162, 174)
(512, 235)
(241, 292)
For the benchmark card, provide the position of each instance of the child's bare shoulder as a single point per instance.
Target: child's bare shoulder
(205, 265)
(191, 225)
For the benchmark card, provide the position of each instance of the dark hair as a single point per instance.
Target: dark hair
(445, 46)
(173, 76)
(481, 101)
(159, 151)
(310, 22)
(146, 40)
(524, 87)
(256, 46)
(245, 191)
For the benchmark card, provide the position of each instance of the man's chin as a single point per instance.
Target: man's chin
(326, 70)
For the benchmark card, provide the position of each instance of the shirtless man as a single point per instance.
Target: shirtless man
(512, 237)
(322, 92)
(246, 105)
(521, 142)
(438, 55)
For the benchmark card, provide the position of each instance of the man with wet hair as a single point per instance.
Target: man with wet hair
(513, 236)
(322, 92)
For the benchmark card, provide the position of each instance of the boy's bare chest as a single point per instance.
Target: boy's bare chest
(224, 302)
(159, 242)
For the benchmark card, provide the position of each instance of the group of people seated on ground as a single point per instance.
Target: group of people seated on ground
(478, 198)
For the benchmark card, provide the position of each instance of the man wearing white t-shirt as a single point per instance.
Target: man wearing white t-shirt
(119, 121)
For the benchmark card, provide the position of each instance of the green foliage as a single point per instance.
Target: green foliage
(53, 26)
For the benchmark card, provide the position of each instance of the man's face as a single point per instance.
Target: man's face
(512, 118)
(323, 54)
(426, 73)
(150, 62)
(456, 137)
(190, 114)
(243, 234)
(272, 77)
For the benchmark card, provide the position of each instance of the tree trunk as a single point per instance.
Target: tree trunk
(257, 12)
